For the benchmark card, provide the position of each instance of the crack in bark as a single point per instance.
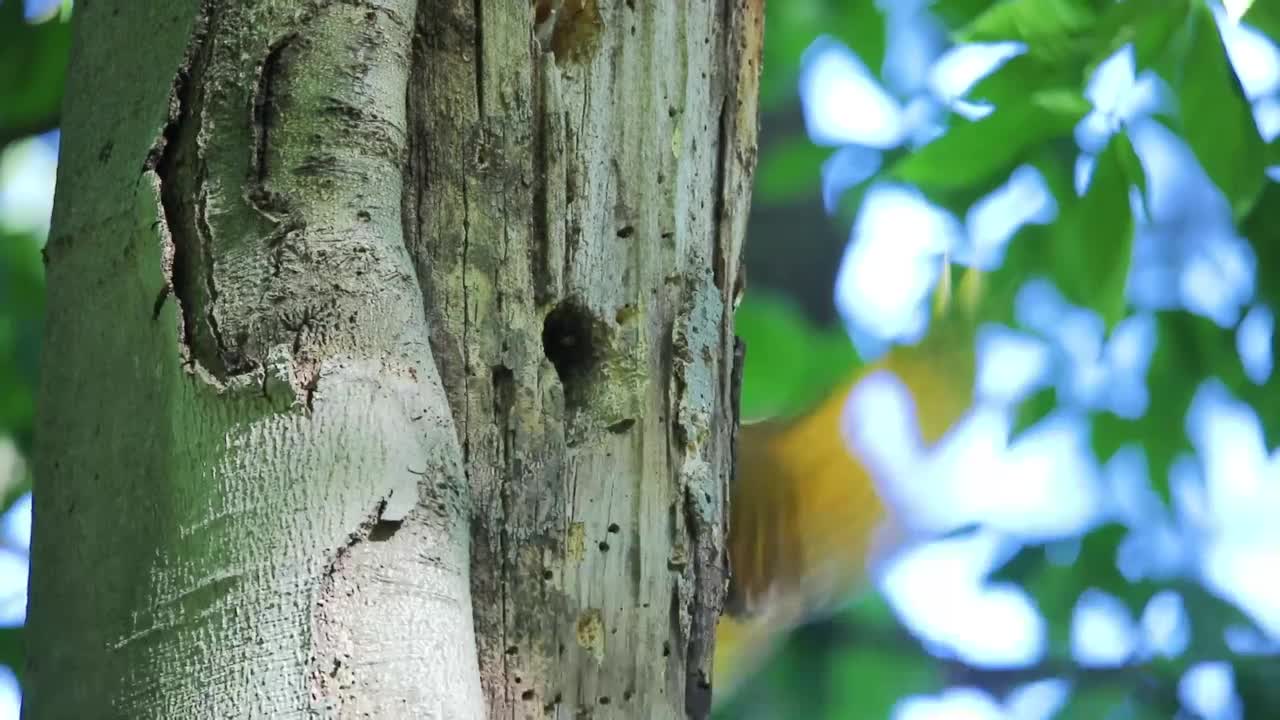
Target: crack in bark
(719, 263)
(479, 51)
(503, 389)
(466, 333)
(735, 601)
(262, 117)
(697, 689)
(177, 159)
(541, 260)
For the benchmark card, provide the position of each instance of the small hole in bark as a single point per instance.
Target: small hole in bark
(569, 341)
(666, 649)
(626, 231)
(513, 650)
(547, 574)
(526, 695)
(604, 546)
(604, 699)
(363, 216)
(627, 695)
(383, 530)
(613, 527)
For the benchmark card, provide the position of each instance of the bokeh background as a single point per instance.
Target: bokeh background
(1103, 522)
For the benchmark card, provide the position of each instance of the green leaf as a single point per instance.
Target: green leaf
(1056, 587)
(1035, 408)
(1262, 228)
(1009, 84)
(790, 27)
(870, 681)
(977, 153)
(1258, 683)
(790, 171)
(1094, 236)
(1214, 116)
(33, 67)
(21, 316)
(1062, 101)
(1189, 349)
(1148, 24)
(789, 363)
(1108, 702)
(1265, 15)
(956, 14)
(13, 650)
(1052, 29)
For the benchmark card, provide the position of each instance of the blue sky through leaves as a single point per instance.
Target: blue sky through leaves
(1045, 484)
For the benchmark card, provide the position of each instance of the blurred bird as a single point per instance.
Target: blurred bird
(807, 525)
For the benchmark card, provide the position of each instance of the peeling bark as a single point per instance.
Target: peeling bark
(391, 358)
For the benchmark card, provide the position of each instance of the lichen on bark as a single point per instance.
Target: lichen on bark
(392, 358)
(582, 197)
(246, 443)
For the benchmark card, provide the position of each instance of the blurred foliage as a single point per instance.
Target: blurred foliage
(862, 663)
(791, 26)
(789, 364)
(21, 312)
(33, 61)
(790, 170)
(33, 67)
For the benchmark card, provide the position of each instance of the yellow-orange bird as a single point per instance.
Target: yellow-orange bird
(805, 520)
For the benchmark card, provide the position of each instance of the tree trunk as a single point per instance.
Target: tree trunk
(364, 312)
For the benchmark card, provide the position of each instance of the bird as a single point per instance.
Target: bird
(807, 524)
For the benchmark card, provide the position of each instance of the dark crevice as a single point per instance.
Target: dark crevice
(479, 51)
(503, 380)
(735, 599)
(163, 295)
(178, 162)
(572, 339)
(542, 289)
(466, 326)
(230, 360)
(414, 167)
(719, 263)
(265, 117)
(383, 530)
(503, 388)
(702, 614)
(572, 226)
(567, 339)
(622, 426)
(379, 528)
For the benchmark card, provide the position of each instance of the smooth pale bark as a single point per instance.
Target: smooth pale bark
(389, 359)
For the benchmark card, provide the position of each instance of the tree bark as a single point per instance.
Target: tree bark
(389, 358)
